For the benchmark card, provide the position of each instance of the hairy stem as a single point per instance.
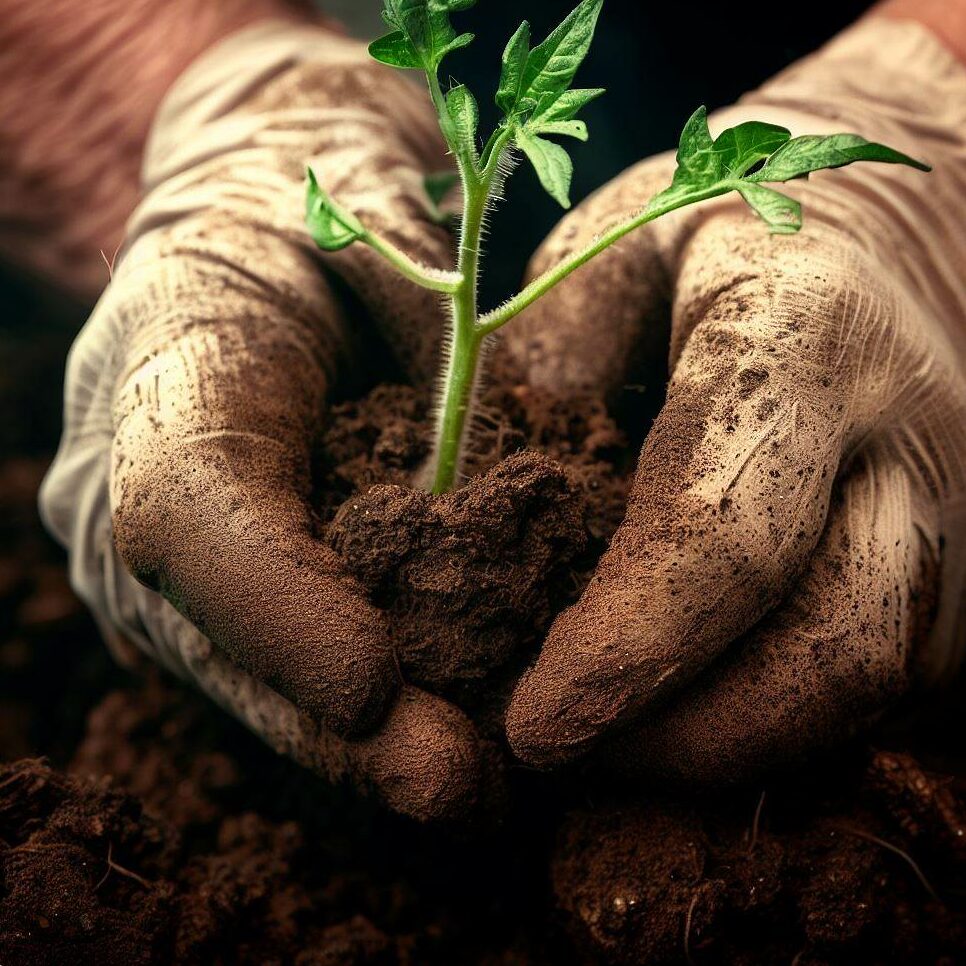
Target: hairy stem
(466, 338)
(435, 280)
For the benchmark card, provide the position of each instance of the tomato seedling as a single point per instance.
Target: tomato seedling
(537, 102)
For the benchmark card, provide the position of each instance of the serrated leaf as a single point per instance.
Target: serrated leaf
(439, 184)
(782, 214)
(566, 106)
(803, 155)
(426, 25)
(696, 157)
(331, 226)
(570, 129)
(396, 51)
(551, 66)
(552, 164)
(740, 148)
(463, 109)
(708, 168)
(514, 62)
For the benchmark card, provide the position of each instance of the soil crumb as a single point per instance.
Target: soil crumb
(471, 580)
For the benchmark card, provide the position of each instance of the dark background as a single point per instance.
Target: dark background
(658, 62)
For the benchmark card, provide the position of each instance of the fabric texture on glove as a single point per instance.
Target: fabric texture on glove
(194, 392)
(816, 380)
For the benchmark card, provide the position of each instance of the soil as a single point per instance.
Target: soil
(139, 824)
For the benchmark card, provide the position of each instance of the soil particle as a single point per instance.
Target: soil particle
(632, 882)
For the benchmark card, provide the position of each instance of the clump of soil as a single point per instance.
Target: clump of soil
(472, 579)
(469, 577)
(90, 877)
(865, 875)
(382, 439)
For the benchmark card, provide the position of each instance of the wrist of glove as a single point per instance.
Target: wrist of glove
(793, 557)
(195, 390)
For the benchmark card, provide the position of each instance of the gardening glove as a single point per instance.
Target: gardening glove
(195, 390)
(793, 556)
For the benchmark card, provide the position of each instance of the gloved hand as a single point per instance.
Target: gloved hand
(195, 390)
(793, 556)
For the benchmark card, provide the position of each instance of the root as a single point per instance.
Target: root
(755, 825)
(112, 865)
(905, 856)
(687, 929)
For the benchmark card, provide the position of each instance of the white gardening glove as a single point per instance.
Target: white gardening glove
(196, 388)
(793, 557)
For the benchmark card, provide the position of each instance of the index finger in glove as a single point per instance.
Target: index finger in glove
(228, 350)
(424, 760)
(837, 654)
(733, 485)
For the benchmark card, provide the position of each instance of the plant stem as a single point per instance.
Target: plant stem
(464, 347)
(436, 280)
(550, 279)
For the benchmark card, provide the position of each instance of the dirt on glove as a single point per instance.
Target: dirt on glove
(157, 830)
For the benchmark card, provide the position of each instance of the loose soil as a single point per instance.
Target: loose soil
(138, 824)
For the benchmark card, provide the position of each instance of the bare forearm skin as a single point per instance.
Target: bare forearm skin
(945, 18)
(79, 86)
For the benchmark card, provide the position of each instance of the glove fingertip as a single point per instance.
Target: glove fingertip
(426, 761)
(536, 728)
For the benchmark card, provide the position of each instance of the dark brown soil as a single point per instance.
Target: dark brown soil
(159, 831)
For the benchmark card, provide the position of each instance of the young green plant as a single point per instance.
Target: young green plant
(537, 103)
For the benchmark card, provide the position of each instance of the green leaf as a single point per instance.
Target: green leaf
(396, 51)
(439, 184)
(425, 25)
(331, 226)
(552, 164)
(569, 104)
(551, 66)
(463, 40)
(741, 148)
(570, 129)
(696, 157)
(514, 62)
(801, 156)
(463, 110)
(710, 167)
(782, 214)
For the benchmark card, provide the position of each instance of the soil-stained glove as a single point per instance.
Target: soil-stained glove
(195, 390)
(794, 552)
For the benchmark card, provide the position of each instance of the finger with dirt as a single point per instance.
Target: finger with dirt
(214, 417)
(831, 659)
(732, 487)
(425, 760)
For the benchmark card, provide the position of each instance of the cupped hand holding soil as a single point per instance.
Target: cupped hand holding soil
(197, 388)
(792, 559)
